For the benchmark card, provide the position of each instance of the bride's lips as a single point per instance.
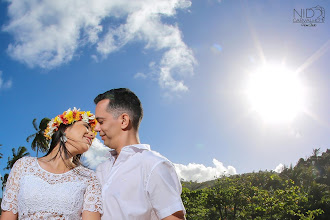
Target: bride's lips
(89, 140)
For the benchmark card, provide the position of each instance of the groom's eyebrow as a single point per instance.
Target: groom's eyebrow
(98, 118)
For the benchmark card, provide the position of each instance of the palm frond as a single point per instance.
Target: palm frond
(40, 142)
(31, 136)
(43, 124)
(34, 144)
(21, 152)
(1, 153)
(4, 181)
(35, 124)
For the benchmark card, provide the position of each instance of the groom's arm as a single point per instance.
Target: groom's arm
(164, 190)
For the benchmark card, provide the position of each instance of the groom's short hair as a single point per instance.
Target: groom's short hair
(123, 100)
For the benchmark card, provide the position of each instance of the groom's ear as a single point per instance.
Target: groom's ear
(125, 121)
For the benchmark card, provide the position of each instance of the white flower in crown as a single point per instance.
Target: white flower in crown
(85, 117)
(75, 109)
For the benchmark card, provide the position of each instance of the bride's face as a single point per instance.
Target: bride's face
(80, 137)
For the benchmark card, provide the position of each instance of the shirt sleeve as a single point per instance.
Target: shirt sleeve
(92, 197)
(164, 190)
(9, 201)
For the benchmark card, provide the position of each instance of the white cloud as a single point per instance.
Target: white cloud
(5, 84)
(98, 153)
(95, 155)
(140, 76)
(279, 168)
(49, 33)
(201, 173)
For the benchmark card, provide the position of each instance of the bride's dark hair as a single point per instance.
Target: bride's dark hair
(58, 137)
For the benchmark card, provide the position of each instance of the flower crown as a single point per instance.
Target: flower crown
(68, 117)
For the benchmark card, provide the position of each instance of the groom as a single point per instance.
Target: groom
(137, 183)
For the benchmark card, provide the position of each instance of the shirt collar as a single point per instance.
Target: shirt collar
(130, 149)
(139, 146)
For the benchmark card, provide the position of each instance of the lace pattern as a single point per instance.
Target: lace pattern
(38, 194)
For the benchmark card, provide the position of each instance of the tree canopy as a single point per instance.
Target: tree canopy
(299, 192)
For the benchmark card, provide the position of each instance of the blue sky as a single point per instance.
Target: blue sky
(188, 61)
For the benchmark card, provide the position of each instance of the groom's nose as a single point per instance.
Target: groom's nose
(97, 127)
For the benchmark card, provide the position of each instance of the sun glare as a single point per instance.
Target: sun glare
(275, 93)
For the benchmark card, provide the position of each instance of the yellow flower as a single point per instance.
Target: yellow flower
(69, 116)
(77, 116)
(58, 120)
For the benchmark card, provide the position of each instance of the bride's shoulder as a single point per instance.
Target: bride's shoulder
(82, 168)
(84, 171)
(27, 160)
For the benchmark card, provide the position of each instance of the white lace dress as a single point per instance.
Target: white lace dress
(35, 193)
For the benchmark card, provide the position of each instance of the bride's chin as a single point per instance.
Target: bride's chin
(87, 146)
(84, 148)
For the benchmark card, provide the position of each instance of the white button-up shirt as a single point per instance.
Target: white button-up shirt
(140, 185)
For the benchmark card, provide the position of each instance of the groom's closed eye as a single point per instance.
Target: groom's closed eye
(99, 120)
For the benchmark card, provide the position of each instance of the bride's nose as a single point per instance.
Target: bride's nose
(91, 134)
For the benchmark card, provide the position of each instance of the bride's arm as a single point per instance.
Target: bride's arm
(10, 196)
(87, 215)
(92, 208)
(8, 215)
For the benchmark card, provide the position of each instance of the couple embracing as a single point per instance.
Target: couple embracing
(134, 183)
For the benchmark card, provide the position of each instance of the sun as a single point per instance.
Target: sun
(275, 93)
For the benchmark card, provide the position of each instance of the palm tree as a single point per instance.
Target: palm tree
(1, 153)
(21, 152)
(4, 181)
(40, 142)
(3, 178)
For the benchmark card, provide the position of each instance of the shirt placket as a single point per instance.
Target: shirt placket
(117, 163)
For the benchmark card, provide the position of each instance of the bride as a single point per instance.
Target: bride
(56, 186)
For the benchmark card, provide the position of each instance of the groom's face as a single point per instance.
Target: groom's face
(108, 127)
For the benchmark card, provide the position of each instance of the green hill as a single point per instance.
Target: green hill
(299, 192)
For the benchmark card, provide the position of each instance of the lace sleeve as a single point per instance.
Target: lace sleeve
(9, 201)
(92, 197)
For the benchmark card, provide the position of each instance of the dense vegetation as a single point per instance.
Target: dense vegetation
(300, 192)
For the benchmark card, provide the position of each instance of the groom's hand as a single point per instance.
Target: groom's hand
(175, 216)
